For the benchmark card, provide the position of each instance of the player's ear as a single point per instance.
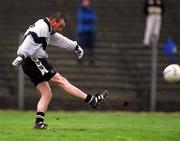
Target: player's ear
(53, 22)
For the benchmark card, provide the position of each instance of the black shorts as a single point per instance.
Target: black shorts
(38, 70)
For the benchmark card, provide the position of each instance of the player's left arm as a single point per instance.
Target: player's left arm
(63, 42)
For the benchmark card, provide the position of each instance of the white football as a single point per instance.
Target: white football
(172, 73)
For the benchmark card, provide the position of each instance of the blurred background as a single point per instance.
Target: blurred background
(122, 64)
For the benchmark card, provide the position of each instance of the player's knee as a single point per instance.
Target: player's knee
(50, 95)
(47, 95)
(61, 81)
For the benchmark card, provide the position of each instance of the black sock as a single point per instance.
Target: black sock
(88, 99)
(40, 117)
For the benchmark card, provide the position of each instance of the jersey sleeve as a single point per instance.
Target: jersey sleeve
(62, 42)
(35, 39)
(28, 48)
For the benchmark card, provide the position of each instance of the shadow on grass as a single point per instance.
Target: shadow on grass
(68, 129)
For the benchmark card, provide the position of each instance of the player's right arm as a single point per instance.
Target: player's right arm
(17, 62)
(31, 46)
(27, 49)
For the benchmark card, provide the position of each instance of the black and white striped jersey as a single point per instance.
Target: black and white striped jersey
(38, 36)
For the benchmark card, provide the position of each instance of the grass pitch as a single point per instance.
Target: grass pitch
(91, 126)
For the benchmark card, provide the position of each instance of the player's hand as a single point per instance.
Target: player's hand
(17, 62)
(79, 51)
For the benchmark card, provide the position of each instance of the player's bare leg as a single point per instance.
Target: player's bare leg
(46, 95)
(63, 83)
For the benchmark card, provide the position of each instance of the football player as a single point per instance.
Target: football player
(32, 56)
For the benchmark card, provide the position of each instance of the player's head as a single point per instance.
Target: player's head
(57, 21)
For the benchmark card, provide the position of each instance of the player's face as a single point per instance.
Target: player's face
(58, 26)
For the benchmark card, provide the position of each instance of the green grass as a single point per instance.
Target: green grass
(91, 126)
